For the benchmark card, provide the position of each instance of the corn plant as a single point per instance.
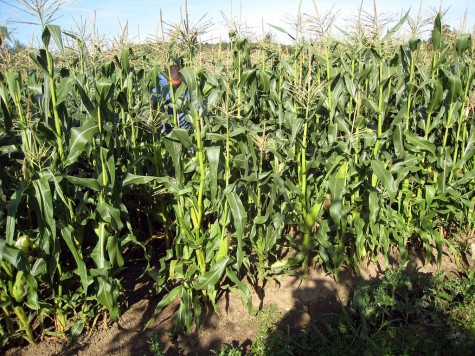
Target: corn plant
(325, 152)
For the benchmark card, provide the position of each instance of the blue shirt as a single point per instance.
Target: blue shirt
(168, 106)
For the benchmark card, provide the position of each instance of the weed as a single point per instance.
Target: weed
(404, 312)
(269, 316)
(227, 350)
(155, 346)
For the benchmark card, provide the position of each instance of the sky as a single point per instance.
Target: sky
(250, 16)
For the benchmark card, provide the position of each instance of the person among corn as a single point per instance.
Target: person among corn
(165, 86)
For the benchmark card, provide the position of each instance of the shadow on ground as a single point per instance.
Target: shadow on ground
(401, 311)
(292, 301)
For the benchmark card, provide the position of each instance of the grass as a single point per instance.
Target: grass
(227, 350)
(405, 312)
(154, 346)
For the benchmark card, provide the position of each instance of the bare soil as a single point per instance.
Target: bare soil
(298, 299)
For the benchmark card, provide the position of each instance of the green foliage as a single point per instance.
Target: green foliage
(407, 311)
(227, 351)
(268, 318)
(333, 150)
(403, 312)
(154, 346)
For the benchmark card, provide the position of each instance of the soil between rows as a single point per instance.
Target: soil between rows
(297, 299)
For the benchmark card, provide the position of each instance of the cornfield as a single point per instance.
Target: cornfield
(327, 152)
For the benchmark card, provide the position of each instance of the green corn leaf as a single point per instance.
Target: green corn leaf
(287, 68)
(264, 80)
(80, 137)
(170, 297)
(418, 144)
(174, 149)
(280, 29)
(12, 208)
(185, 311)
(359, 243)
(210, 136)
(98, 254)
(414, 43)
(14, 85)
(210, 279)
(343, 125)
(437, 98)
(19, 289)
(248, 76)
(385, 177)
(67, 232)
(326, 249)
(332, 133)
(238, 212)
(439, 244)
(91, 109)
(336, 186)
(463, 43)
(426, 242)
(430, 194)
(237, 131)
(90, 183)
(32, 293)
(241, 288)
(350, 87)
(44, 200)
(445, 163)
(466, 178)
(39, 58)
(104, 91)
(5, 106)
(197, 308)
(45, 213)
(124, 59)
(239, 219)
(110, 215)
(455, 87)
(398, 140)
(110, 163)
(59, 191)
(260, 219)
(131, 178)
(12, 255)
(214, 98)
(64, 89)
(437, 32)
(183, 136)
(55, 31)
(410, 162)
(393, 30)
(468, 152)
(370, 105)
(108, 295)
(189, 77)
(40, 267)
(313, 215)
(114, 252)
(4, 33)
(77, 328)
(212, 155)
(218, 242)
